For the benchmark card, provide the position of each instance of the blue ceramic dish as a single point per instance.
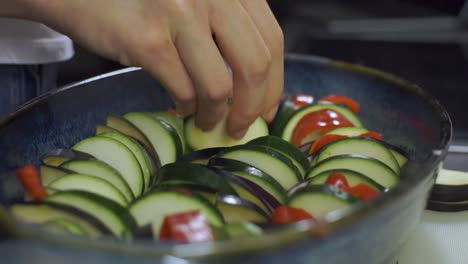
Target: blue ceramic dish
(371, 233)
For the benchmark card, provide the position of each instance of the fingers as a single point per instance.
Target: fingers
(249, 58)
(161, 59)
(272, 34)
(208, 71)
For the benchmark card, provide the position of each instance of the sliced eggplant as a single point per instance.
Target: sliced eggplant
(201, 156)
(450, 186)
(174, 121)
(353, 178)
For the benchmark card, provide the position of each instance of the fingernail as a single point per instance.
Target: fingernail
(239, 133)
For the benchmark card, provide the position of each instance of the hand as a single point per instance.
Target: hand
(173, 41)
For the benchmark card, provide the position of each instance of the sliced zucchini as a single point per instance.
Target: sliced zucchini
(125, 127)
(152, 207)
(241, 230)
(268, 160)
(400, 155)
(198, 139)
(42, 213)
(299, 114)
(175, 122)
(146, 163)
(162, 136)
(185, 172)
(236, 209)
(100, 129)
(65, 226)
(116, 155)
(318, 200)
(49, 173)
(370, 167)
(361, 146)
(353, 178)
(111, 214)
(91, 184)
(253, 174)
(348, 131)
(54, 161)
(102, 170)
(285, 111)
(292, 152)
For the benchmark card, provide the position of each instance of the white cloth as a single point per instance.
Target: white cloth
(26, 42)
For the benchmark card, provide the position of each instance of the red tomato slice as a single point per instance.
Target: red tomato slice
(318, 122)
(339, 99)
(31, 180)
(339, 180)
(186, 227)
(324, 140)
(363, 191)
(301, 100)
(372, 134)
(286, 214)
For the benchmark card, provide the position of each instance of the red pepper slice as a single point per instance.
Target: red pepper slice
(324, 140)
(363, 191)
(339, 99)
(372, 134)
(301, 100)
(31, 180)
(339, 180)
(318, 122)
(186, 227)
(286, 214)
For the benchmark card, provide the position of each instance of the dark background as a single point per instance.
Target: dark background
(432, 55)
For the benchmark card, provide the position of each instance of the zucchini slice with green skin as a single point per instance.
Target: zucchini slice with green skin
(353, 178)
(299, 114)
(370, 167)
(285, 111)
(50, 173)
(64, 226)
(348, 131)
(154, 206)
(400, 155)
(248, 172)
(125, 127)
(236, 209)
(102, 170)
(111, 214)
(118, 156)
(162, 136)
(146, 163)
(198, 139)
(292, 152)
(175, 122)
(241, 230)
(268, 160)
(42, 213)
(318, 200)
(185, 172)
(91, 184)
(361, 146)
